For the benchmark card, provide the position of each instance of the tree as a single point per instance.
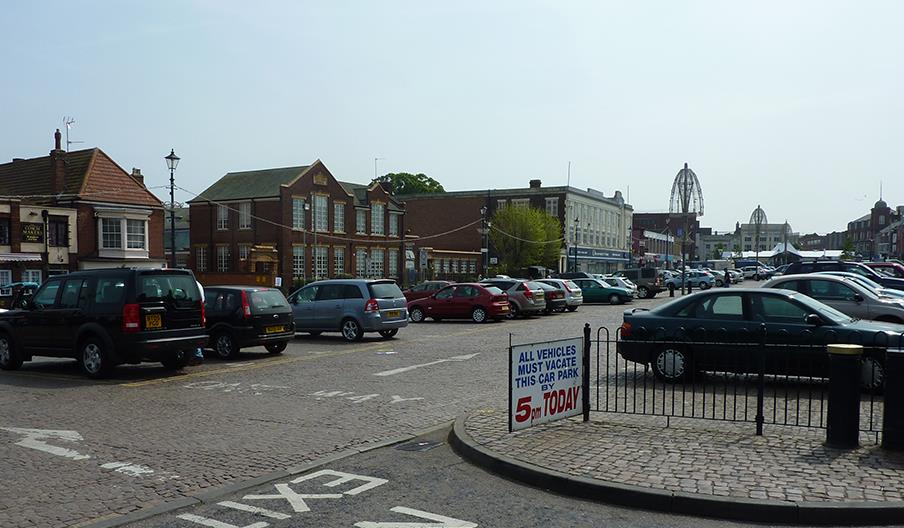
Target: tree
(737, 251)
(717, 253)
(406, 183)
(525, 236)
(847, 249)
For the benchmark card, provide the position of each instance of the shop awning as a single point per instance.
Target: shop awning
(20, 257)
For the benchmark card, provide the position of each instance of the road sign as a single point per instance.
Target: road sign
(545, 382)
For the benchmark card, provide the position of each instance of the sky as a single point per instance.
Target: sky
(794, 106)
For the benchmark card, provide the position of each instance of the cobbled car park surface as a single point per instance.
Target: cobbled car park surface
(76, 450)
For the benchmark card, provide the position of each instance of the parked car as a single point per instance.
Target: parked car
(892, 269)
(595, 290)
(882, 291)
(845, 295)
(19, 292)
(525, 297)
(648, 281)
(107, 317)
(737, 276)
(572, 292)
(351, 307)
(424, 289)
(781, 270)
(750, 272)
(245, 316)
(478, 302)
(726, 316)
(845, 265)
(555, 298)
(621, 282)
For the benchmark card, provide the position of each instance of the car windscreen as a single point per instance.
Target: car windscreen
(384, 290)
(179, 288)
(268, 301)
(534, 285)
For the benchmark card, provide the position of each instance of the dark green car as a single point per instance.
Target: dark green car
(595, 290)
(720, 330)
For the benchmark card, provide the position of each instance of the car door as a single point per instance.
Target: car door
(302, 303)
(68, 315)
(794, 342)
(722, 331)
(592, 290)
(463, 298)
(441, 304)
(37, 323)
(839, 296)
(329, 306)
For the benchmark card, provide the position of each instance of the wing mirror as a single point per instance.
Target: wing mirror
(858, 298)
(813, 319)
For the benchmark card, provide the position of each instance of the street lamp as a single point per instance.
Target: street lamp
(486, 246)
(172, 161)
(575, 269)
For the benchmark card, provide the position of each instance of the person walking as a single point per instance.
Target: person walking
(727, 281)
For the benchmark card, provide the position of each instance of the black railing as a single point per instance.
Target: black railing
(733, 380)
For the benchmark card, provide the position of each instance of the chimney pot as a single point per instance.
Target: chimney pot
(535, 184)
(136, 174)
(57, 140)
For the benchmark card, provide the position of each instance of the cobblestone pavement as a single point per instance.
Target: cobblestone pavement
(787, 464)
(145, 437)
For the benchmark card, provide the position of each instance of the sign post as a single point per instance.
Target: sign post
(547, 382)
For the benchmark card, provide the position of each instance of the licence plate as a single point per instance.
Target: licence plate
(394, 313)
(274, 329)
(503, 309)
(153, 321)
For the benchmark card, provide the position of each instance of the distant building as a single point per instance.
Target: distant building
(864, 231)
(812, 242)
(767, 237)
(673, 225)
(714, 244)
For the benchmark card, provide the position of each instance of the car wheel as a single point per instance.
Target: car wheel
(93, 358)
(9, 358)
(416, 314)
(572, 308)
(176, 361)
(643, 292)
(478, 315)
(872, 373)
(351, 330)
(614, 299)
(514, 312)
(671, 364)
(704, 285)
(224, 345)
(720, 283)
(276, 348)
(389, 334)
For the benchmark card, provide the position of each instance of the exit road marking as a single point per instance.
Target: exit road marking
(437, 362)
(441, 521)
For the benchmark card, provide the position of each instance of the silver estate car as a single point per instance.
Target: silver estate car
(350, 307)
(844, 294)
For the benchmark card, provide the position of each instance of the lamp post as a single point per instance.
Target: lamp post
(575, 269)
(304, 243)
(172, 161)
(486, 245)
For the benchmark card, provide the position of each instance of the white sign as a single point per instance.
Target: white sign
(545, 383)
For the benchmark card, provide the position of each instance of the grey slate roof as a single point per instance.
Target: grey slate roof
(250, 184)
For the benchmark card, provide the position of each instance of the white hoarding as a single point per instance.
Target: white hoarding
(545, 382)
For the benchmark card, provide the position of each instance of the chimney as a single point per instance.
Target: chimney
(58, 163)
(535, 184)
(136, 174)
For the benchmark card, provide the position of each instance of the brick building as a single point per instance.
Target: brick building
(74, 210)
(864, 231)
(313, 225)
(671, 224)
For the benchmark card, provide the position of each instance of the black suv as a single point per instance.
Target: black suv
(844, 265)
(244, 316)
(107, 317)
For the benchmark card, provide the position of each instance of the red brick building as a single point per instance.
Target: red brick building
(313, 225)
(75, 210)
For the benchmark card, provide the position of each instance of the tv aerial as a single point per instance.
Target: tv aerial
(68, 122)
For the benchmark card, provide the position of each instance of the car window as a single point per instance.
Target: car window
(306, 295)
(74, 292)
(418, 288)
(445, 293)
(46, 296)
(436, 286)
(611, 282)
(267, 301)
(351, 291)
(330, 292)
(824, 290)
(774, 309)
(728, 307)
(571, 285)
(109, 291)
(493, 290)
(465, 291)
(178, 287)
(384, 290)
(790, 285)
(860, 271)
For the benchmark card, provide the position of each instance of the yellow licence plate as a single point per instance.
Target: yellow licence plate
(394, 313)
(152, 321)
(503, 309)
(274, 329)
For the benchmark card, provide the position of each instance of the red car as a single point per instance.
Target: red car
(424, 289)
(478, 302)
(892, 268)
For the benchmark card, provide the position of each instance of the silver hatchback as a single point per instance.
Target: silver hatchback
(525, 297)
(844, 294)
(350, 307)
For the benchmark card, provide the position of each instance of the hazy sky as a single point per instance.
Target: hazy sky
(790, 104)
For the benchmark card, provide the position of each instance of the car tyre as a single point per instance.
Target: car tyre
(479, 315)
(177, 361)
(671, 364)
(643, 292)
(9, 357)
(224, 345)
(276, 348)
(614, 299)
(416, 314)
(872, 373)
(572, 308)
(351, 330)
(389, 334)
(514, 312)
(93, 358)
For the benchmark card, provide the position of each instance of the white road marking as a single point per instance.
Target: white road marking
(398, 399)
(296, 500)
(133, 470)
(371, 482)
(34, 439)
(254, 509)
(441, 521)
(213, 523)
(437, 362)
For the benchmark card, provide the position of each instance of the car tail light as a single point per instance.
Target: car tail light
(246, 306)
(203, 315)
(371, 306)
(626, 329)
(131, 319)
(527, 293)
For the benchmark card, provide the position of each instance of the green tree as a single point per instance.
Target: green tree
(737, 251)
(847, 249)
(407, 183)
(717, 253)
(525, 236)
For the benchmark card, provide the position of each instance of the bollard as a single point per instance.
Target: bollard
(843, 420)
(690, 287)
(893, 415)
(671, 290)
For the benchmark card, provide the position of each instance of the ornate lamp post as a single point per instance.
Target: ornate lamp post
(172, 161)
(485, 231)
(758, 218)
(687, 199)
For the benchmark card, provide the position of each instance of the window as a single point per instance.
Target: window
(377, 219)
(376, 262)
(222, 217)
(4, 231)
(445, 294)
(74, 292)
(466, 291)
(46, 296)
(774, 309)
(222, 258)
(393, 262)
(306, 295)
(135, 234)
(521, 202)
(723, 307)
(552, 206)
(339, 217)
(361, 262)
(393, 224)
(298, 213)
(58, 231)
(360, 221)
(201, 258)
(338, 261)
(824, 290)
(245, 215)
(109, 291)
(298, 262)
(111, 233)
(321, 213)
(500, 204)
(321, 268)
(244, 251)
(6, 277)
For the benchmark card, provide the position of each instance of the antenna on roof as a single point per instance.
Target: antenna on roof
(68, 122)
